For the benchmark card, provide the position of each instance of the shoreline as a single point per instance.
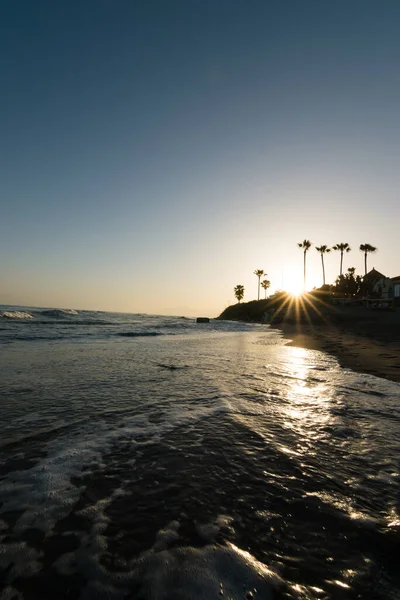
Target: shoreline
(370, 348)
(361, 338)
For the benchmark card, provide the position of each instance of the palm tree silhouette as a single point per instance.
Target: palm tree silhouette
(305, 245)
(323, 250)
(367, 249)
(239, 292)
(343, 247)
(259, 273)
(266, 284)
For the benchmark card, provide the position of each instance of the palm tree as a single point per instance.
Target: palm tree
(343, 247)
(323, 250)
(305, 245)
(239, 292)
(367, 249)
(266, 284)
(259, 273)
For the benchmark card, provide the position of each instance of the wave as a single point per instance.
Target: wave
(70, 323)
(16, 314)
(175, 325)
(10, 338)
(139, 334)
(59, 312)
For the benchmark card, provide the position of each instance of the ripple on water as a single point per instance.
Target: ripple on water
(253, 459)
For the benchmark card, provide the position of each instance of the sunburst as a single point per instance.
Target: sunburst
(301, 307)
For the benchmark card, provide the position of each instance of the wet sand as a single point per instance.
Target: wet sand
(363, 340)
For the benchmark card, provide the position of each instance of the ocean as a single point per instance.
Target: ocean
(151, 457)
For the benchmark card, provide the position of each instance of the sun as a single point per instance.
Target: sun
(294, 289)
(292, 281)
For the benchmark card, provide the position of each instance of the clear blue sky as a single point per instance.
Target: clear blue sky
(154, 153)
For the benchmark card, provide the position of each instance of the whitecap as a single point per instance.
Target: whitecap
(59, 312)
(16, 314)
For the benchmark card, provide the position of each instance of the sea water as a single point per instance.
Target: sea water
(151, 457)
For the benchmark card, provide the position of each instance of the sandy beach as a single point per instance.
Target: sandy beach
(363, 340)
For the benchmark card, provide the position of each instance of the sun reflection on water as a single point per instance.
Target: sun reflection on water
(307, 409)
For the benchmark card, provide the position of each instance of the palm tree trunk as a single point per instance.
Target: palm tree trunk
(341, 263)
(323, 268)
(365, 262)
(258, 288)
(305, 270)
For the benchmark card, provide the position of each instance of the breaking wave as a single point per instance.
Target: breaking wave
(26, 323)
(50, 312)
(16, 314)
(59, 312)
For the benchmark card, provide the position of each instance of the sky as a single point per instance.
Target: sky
(155, 153)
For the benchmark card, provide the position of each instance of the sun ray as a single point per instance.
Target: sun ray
(306, 308)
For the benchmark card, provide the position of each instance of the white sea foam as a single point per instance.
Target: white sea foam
(54, 312)
(45, 494)
(164, 572)
(207, 572)
(209, 531)
(21, 558)
(16, 314)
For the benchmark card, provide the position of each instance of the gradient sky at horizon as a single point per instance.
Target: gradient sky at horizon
(155, 153)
